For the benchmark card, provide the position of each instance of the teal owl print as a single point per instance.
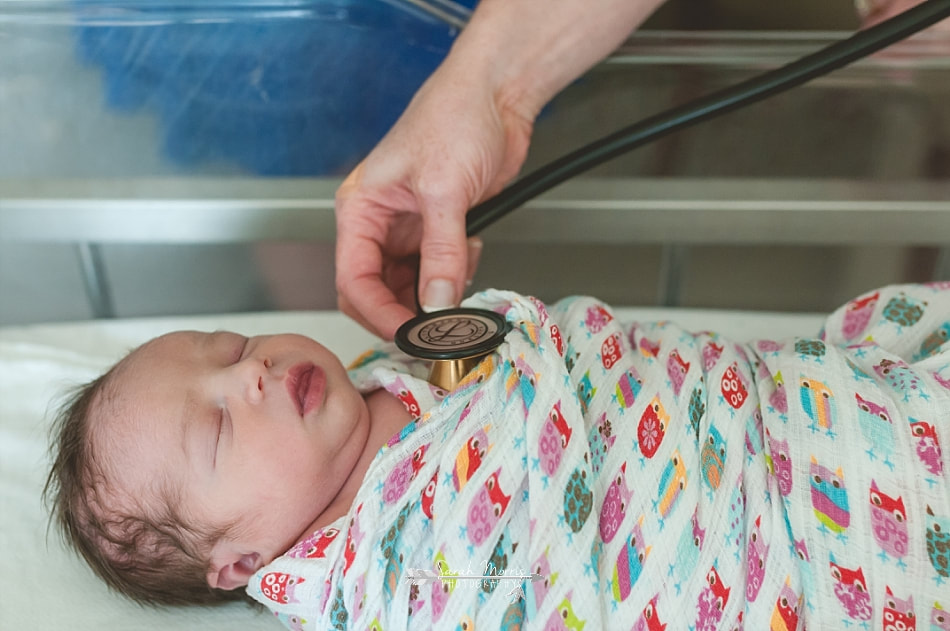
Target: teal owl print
(904, 310)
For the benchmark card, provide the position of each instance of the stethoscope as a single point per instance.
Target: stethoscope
(455, 340)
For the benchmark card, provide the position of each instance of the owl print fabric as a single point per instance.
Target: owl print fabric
(651, 478)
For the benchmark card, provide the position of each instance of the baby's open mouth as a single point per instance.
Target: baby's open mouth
(305, 384)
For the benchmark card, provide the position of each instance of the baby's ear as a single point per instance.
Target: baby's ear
(233, 568)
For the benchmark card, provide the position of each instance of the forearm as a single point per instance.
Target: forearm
(526, 51)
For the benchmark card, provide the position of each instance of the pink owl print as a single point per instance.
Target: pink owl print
(359, 597)
(712, 602)
(676, 370)
(857, 315)
(315, 546)
(292, 622)
(486, 509)
(615, 505)
(769, 346)
(939, 618)
(553, 440)
(537, 590)
(945, 383)
(777, 398)
(542, 310)
(711, 354)
(888, 522)
(353, 538)
(757, 555)
(781, 463)
(402, 475)
(649, 348)
(851, 589)
(899, 614)
(597, 318)
(927, 445)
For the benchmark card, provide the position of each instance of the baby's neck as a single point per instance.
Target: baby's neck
(387, 417)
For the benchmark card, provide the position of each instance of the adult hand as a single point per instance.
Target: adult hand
(402, 210)
(463, 137)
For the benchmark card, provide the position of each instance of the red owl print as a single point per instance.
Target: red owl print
(899, 614)
(857, 315)
(315, 546)
(428, 494)
(611, 351)
(469, 457)
(712, 602)
(409, 400)
(650, 618)
(555, 333)
(280, 586)
(652, 427)
(851, 589)
(649, 348)
(786, 613)
(597, 318)
(888, 521)
(733, 386)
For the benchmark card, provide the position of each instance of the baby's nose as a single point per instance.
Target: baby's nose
(257, 372)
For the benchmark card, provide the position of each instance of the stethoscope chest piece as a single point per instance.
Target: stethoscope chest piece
(455, 340)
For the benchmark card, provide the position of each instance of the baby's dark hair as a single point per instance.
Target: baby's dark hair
(149, 555)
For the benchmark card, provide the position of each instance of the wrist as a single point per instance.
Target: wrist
(526, 51)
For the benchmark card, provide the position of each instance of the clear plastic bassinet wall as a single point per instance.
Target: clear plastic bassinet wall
(147, 87)
(190, 151)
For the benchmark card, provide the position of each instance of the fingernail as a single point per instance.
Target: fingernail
(439, 294)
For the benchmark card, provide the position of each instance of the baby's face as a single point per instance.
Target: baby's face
(260, 432)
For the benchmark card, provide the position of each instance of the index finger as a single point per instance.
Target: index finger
(359, 283)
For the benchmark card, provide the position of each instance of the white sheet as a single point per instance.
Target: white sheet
(45, 586)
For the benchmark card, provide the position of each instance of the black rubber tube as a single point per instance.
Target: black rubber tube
(755, 89)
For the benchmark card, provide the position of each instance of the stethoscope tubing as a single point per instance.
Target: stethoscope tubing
(832, 57)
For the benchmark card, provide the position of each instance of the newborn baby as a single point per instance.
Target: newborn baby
(596, 473)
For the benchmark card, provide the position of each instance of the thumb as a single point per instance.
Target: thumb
(443, 263)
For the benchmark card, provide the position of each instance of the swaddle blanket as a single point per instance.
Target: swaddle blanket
(603, 476)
